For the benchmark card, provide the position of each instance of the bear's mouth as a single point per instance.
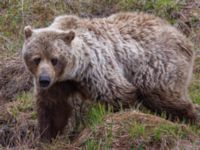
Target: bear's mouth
(44, 81)
(44, 84)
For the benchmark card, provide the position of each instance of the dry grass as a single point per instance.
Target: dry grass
(135, 130)
(14, 78)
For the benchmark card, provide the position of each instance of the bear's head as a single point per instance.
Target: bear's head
(47, 54)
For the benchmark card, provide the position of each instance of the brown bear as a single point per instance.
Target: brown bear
(120, 60)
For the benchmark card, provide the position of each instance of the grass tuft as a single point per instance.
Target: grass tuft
(24, 103)
(137, 130)
(96, 114)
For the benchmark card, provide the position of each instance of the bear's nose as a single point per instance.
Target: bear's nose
(44, 81)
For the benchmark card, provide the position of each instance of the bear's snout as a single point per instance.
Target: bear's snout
(44, 81)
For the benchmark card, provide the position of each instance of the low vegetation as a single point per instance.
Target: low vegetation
(97, 128)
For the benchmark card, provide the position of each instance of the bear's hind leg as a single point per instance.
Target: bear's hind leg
(175, 105)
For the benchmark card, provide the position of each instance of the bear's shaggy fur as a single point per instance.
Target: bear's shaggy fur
(119, 60)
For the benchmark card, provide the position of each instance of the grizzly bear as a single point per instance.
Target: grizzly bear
(120, 60)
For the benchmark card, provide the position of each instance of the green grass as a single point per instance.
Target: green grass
(102, 141)
(157, 132)
(96, 114)
(11, 26)
(17, 14)
(194, 89)
(92, 144)
(171, 130)
(137, 130)
(163, 8)
(24, 103)
(140, 133)
(95, 118)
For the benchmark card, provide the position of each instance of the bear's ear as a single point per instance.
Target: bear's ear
(68, 37)
(27, 32)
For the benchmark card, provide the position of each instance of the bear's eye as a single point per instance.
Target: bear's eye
(54, 61)
(37, 60)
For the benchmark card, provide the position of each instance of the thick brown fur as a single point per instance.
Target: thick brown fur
(120, 60)
(54, 109)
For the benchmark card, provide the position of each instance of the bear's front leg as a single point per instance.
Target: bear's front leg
(123, 93)
(112, 88)
(44, 121)
(52, 118)
(53, 110)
